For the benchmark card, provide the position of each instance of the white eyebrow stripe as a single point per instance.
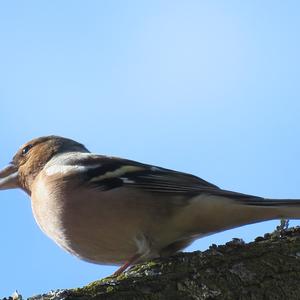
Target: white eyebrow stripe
(68, 169)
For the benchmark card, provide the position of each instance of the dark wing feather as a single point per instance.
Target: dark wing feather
(168, 181)
(115, 172)
(149, 178)
(108, 173)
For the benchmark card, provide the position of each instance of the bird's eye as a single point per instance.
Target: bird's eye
(26, 149)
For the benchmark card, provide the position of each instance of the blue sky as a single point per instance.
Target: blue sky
(206, 87)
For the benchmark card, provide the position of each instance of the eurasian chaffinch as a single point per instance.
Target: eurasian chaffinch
(110, 210)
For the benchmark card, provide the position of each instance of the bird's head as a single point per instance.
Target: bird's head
(32, 157)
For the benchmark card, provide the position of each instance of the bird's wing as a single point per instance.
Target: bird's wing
(115, 172)
(111, 173)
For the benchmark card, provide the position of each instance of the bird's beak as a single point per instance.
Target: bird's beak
(9, 177)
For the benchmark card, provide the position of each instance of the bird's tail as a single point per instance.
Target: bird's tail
(280, 208)
(213, 213)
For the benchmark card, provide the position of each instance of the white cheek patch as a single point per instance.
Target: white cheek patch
(67, 169)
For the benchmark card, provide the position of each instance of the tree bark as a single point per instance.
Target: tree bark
(268, 268)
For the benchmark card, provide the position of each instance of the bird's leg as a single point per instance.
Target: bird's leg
(132, 260)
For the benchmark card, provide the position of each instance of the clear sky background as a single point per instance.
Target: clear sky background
(206, 87)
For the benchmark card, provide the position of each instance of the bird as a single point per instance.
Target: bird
(111, 210)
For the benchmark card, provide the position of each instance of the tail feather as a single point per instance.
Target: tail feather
(213, 213)
(280, 208)
(273, 202)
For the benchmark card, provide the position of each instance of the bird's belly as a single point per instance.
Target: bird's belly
(95, 229)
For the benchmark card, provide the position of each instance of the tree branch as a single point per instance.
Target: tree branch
(268, 268)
